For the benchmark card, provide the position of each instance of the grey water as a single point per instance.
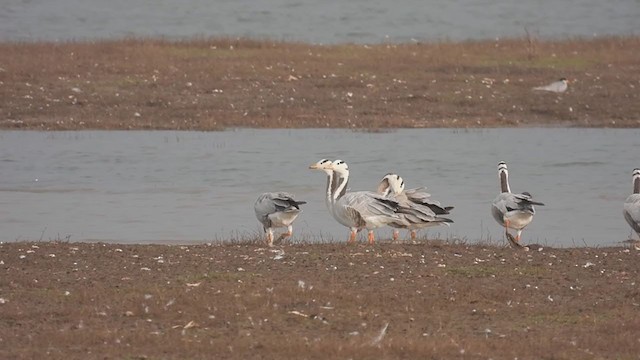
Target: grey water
(192, 187)
(329, 21)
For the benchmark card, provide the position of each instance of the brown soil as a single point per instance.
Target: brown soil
(429, 300)
(213, 84)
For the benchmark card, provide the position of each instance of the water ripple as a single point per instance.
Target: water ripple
(173, 194)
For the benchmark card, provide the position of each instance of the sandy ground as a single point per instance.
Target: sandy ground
(245, 301)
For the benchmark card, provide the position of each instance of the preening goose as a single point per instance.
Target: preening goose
(277, 209)
(513, 211)
(425, 212)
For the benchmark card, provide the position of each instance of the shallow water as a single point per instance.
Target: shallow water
(166, 186)
(357, 21)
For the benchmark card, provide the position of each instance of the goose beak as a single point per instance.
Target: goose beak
(317, 166)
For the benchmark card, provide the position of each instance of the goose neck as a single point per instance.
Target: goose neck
(504, 181)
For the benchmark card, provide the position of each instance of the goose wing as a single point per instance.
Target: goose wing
(420, 196)
(499, 206)
(364, 207)
(507, 202)
(417, 216)
(270, 203)
(632, 211)
(525, 201)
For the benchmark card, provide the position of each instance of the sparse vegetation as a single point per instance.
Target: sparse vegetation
(213, 84)
(315, 301)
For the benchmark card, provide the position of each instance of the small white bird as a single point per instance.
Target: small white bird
(632, 204)
(559, 86)
(513, 211)
(424, 211)
(277, 209)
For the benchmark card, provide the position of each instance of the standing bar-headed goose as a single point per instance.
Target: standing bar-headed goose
(356, 210)
(326, 166)
(277, 209)
(632, 205)
(513, 211)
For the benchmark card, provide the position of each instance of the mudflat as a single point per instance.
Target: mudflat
(428, 299)
(214, 84)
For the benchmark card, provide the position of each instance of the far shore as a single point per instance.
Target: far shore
(219, 83)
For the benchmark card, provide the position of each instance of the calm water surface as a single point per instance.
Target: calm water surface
(182, 187)
(328, 21)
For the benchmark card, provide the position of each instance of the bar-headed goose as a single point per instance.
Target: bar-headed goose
(356, 210)
(632, 205)
(425, 210)
(277, 209)
(513, 211)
